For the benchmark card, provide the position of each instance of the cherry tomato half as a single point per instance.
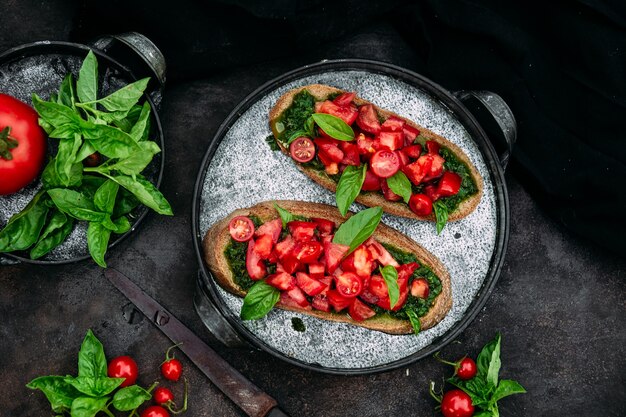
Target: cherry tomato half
(241, 228)
(456, 403)
(123, 367)
(421, 204)
(172, 369)
(155, 411)
(302, 149)
(22, 145)
(348, 284)
(163, 395)
(385, 163)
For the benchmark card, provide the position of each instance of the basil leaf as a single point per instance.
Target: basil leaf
(349, 186)
(66, 166)
(505, 388)
(475, 388)
(333, 126)
(295, 135)
(57, 391)
(90, 185)
(415, 321)
(87, 84)
(488, 361)
(75, 204)
(110, 141)
(261, 298)
(66, 92)
(483, 414)
(140, 129)
(97, 241)
(129, 398)
(88, 406)
(400, 184)
(95, 387)
(103, 117)
(309, 126)
(86, 150)
(441, 214)
(125, 203)
(285, 215)
(123, 99)
(58, 229)
(104, 199)
(272, 142)
(390, 275)
(135, 163)
(145, 192)
(23, 228)
(358, 228)
(91, 359)
(54, 114)
(49, 176)
(122, 225)
(65, 131)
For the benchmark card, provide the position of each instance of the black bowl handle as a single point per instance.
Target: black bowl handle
(506, 126)
(140, 55)
(5, 260)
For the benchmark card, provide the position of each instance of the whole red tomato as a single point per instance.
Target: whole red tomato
(456, 403)
(123, 367)
(155, 411)
(22, 145)
(163, 395)
(171, 369)
(466, 369)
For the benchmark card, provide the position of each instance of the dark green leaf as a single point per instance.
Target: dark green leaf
(66, 92)
(95, 387)
(65, 131)
(68, 170)
(87, 406)
(390, 275)
(400, 184)
(122, 225)
(57, 391)
(129, 398)
(271, 141)
(125, 98)
(103, 117)
(23, 228)
(475, 388)
(261, 298)
(86, 150)
(349, 186)
(87, 84)
(97, 242)
(309, 126)
(125, 203)
(110, 141)
(76, 204)
(58, 228)
(104, 199)
(415, 321)
(488, 361)
(295, 135)
(358, 228)
(285, 215)
(145, 192)
(135, 163)
(91, 184)
(441, 214)
(505, 388)
(54, 114)
(49, 177)
(141, 128)
(333, 126)
(91, 359)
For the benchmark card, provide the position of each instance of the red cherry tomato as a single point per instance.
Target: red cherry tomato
(456, 403)
(155, 411)
(450, 184)
(123, 367)
(367, 119)
(348, 284)
(163, 395)
(421, 204)
(302, 149)
(241, 228)
(385, 163)
(172, 369)
(93, 160)
(23, 147)
(466, 369)
(371, 183)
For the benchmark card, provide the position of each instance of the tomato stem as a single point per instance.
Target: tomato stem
(7, 142)
(171, 405)
(440, 359)
(106, 411)
(431, 391)
(167, 352)
(153, 386)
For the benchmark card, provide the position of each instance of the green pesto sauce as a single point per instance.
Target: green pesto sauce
(468, 186)
(293, 119)
(235, 253)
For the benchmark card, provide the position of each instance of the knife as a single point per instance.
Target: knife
(247, 396)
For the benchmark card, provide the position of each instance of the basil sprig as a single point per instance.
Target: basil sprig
(90, 392)
(358, 228)
(349, 186)
(390, 275)
(286, 216)
(441, 214)
(400, 184)
(485, 389)
(333, 126)
(259, 300)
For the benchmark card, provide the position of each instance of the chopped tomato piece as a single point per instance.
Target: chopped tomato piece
(381, 254)
(404, 293)
(254, 264)
(418, 170)
(389, 195)
(294, 298)
(338, 301)
(302, 231)
(271, 228)
(330, 148)
(378, 287)
(363, 262)
(263, 246)
(330, 154)
(393, 124)
(333, 254)
(241, 228)
(419, 288)
(413, 151)
(365, 145)
(284, 247)
(346, 113)
(309, 285)
(316, 270)
(367, 119)
(431, 191)
(344, 99)
(410, 133)
(291, 264)
(348, 263)
(421, 205)
(432, 147)
(391, 140)
(384, 163)
(281, 280)
(372, 182)
(406, 270)
(450, 184)
(326, 239)
(367, 296)
(360, 311)
(436, 167)
(307, 252)
(404, 160)
(320, 302)
(326, 281)
(350, 154)
(324, 226)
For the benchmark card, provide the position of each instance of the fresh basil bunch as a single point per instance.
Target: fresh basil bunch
(117, 127)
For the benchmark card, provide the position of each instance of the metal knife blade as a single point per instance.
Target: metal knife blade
(250, 398)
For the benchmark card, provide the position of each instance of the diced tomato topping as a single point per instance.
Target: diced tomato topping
(263, 246)
(378, 287)
(316, 270)
(384, 163)
(338, 301)
(331, 154)
(294, 298)
(309, 285)
(381, 254)
(367, 119)
(421, 204)
(327, 280)
(324, 226)
(404, 160)
(307, 252)
(320, 302)
(432, 147)
(318, 106)
(367, 296)
(284, 247)
(365, 145)
(413, 151)
(350, 154)
(450, 184)
(419, 288)
(291, 264)
(281, 280)
(254, 264)
(302, 231)
(431, 191)
(271, 228)
(406, 270)
(348, 263)
(329, 148)
(384, 302)
(360, 311)
(344, 99)
(387, 193)
(346, 113)
(326, 239)
(393, 124)
(363, 262)
(333, 254)
(372, 182)
(418, 170)
(410, 133)
(436, 167)
(391, 140)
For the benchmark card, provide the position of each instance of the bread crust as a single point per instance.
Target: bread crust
(218, 237)
(373, 199)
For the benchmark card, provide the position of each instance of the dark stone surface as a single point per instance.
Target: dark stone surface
(559, 303)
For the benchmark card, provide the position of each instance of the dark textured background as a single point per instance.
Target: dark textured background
(559, 302)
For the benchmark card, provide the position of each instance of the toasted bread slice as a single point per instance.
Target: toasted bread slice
(218, 237)
(374, 199)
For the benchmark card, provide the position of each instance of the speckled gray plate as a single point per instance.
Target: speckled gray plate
(471, 249)
(39, 68)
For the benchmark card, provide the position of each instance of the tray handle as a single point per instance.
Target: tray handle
(501, 114)
(5, 260)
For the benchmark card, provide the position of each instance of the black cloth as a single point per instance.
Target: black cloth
(560, 65)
